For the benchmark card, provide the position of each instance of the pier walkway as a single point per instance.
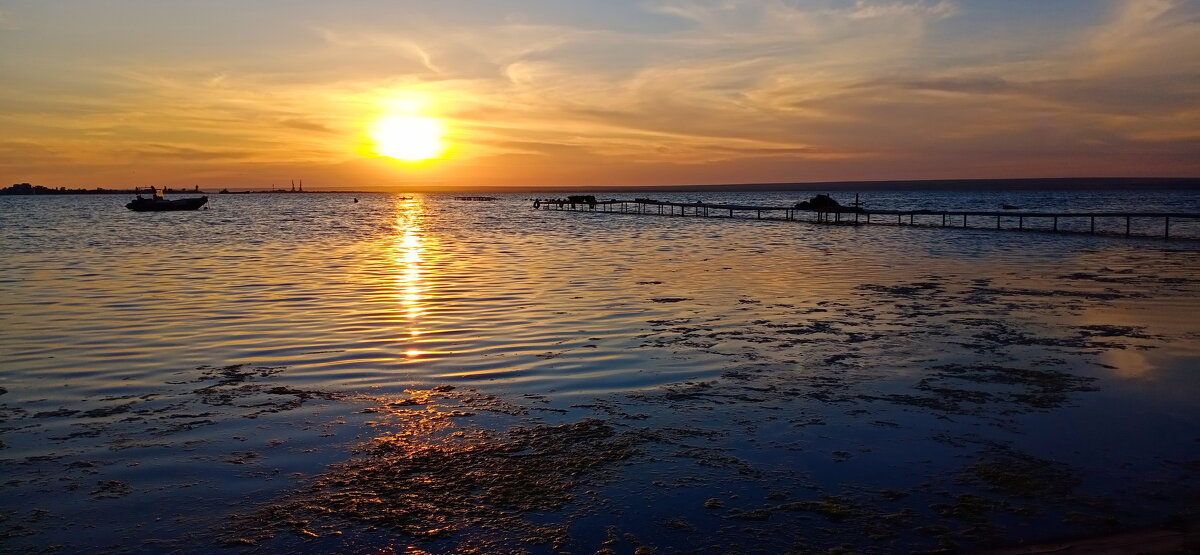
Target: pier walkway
(1111, 223)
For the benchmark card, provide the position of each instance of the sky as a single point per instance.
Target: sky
(556, 93)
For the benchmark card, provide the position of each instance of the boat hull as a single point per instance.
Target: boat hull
(153, 205)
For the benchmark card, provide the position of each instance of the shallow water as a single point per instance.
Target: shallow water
(815, 360)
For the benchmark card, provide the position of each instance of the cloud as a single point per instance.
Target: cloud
(940, 10)
(166, 152)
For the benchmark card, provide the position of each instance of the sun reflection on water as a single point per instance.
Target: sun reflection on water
(409, 252)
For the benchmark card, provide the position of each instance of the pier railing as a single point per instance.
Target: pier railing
(1113, 223)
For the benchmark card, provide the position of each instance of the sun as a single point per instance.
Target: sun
(409, 138)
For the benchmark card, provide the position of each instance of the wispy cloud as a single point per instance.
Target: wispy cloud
(939, 10)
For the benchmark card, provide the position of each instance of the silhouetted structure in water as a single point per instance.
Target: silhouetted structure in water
(582, 199)
(824, 203)
(825, 210)
(156, 203)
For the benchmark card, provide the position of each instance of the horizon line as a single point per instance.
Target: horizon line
(1018, 183)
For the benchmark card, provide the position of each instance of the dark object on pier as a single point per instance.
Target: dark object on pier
(1009, 207)
(141, 204)
(823, 203)
(589, 200)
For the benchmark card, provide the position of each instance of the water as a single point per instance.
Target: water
(816, 360)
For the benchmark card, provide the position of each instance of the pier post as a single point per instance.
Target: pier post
(1056, 223)
(964, 220)
(943, 219)
(997, 222)
(897, 219)
(1166, 227)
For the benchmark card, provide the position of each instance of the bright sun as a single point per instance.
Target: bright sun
(409, 138)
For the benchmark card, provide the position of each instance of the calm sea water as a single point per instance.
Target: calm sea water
(116, 329)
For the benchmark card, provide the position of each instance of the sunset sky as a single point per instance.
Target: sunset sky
(579, 94)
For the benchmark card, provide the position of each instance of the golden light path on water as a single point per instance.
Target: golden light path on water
(407, 252)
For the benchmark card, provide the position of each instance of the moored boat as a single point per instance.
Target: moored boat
(141, 204)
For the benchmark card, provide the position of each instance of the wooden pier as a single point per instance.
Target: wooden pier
(1011, 220)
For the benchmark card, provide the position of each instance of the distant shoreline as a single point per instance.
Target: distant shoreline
(1022, 184)
(1032, 184)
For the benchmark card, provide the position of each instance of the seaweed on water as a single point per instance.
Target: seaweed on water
(907, 290)
(1107, 295)
(424, 482)
(1021, 475)
(949, 389)
(1109, 330)
(111, 489)
(1041, 388)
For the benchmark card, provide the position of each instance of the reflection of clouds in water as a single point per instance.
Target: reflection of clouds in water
(1145, 330)
(1129, 364)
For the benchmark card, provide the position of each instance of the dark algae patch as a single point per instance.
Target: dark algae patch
(974, 389)
(429, 479)
(1022, 475)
